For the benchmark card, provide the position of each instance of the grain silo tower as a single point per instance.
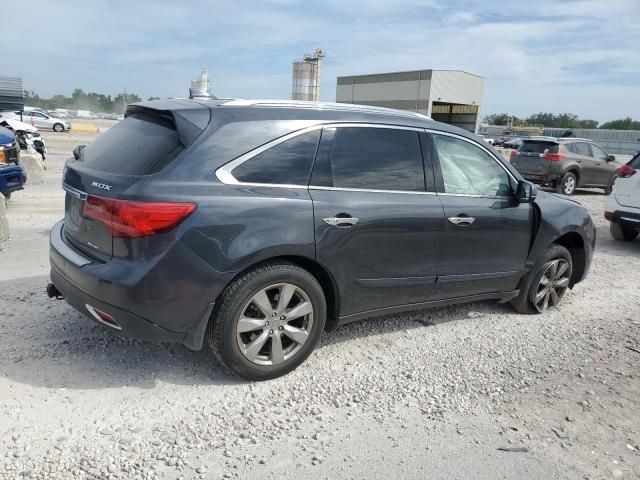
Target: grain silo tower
(306, 77)
(200, 87)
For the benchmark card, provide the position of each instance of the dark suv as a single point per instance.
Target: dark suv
(256, 226)
(565, 163)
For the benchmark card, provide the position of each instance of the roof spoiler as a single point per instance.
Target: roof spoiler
(189, 119)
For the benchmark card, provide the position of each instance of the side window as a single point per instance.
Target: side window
(287, 163)
(370, 158)
(39, 115)
(469, 170)
(583, 149)
(598, 153)
(570, 147)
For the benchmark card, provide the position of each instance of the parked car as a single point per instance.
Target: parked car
(12, 175)
(513, 143)
(39, 119)
(27, 136)
(487, 139)
(565, 163)
(499, 142)
(255, 226)
(86, 114)
(622, 207)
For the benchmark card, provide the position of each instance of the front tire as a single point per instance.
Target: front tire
(267, 321)
(622, 234)
(58, 127)
(546, 284)
(568, 184)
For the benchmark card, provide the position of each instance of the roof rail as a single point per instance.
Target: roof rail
(347, 107)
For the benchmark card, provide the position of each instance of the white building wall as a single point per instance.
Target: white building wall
(454, 86)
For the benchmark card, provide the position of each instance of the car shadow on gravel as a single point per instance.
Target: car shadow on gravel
(46, 343)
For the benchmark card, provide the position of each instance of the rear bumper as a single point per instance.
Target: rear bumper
(167, 298)
(626, 219)
(545, 179)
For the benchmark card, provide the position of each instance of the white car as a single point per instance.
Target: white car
(39, 119)
(490, 141)
(622, 207)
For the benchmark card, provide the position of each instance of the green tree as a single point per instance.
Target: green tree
(622, 124)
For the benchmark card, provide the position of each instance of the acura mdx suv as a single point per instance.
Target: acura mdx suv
(254, 226)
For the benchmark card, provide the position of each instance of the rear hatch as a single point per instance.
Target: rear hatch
(151, 136)
(627, 190)
(530, 156)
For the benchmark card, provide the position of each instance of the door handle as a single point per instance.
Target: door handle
(341, 221)
(462, 220)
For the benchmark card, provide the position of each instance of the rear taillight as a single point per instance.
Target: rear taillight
(555, 157)
(127, 219)
(514, 153)
(625, 171)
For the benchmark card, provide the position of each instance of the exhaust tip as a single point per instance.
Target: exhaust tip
(53, 292)
(103, 317)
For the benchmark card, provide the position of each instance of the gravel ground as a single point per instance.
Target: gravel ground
(472, 391)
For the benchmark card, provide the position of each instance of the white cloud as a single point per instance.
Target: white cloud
(536, 55)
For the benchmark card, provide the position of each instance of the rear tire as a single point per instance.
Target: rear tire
(255, 330)
(546, 283)
(622, 234)
(568, 184)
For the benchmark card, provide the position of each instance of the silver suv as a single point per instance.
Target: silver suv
(565, 163)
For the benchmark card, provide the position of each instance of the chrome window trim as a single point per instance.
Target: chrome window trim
(224, 174)
(482, 147)
(368, 190)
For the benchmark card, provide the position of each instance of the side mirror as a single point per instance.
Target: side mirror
(526, 192)
(78, 151)
(611, 158)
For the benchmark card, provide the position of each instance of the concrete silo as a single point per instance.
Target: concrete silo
(306, 77)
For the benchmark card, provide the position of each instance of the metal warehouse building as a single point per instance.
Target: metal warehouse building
(450, 96)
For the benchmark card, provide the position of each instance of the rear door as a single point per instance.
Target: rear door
(378, 222)
(40, 120)
(487, 233)
(141, 144)
(587, 163)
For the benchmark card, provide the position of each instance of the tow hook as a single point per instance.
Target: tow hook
(53, 292)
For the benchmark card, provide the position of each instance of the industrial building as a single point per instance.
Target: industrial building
(449, 96)
(306, 77)
(11, 94)
(200, 87)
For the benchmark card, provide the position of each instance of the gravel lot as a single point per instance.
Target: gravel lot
(432, 394)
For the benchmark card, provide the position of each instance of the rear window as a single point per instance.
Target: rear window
(635, 162)
(536, 146)
(141, 144)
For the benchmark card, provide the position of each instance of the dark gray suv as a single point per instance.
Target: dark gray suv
(565, 163)
(255, 226)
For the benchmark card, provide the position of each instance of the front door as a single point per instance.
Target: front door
(487, 233)
(378, 222)
(604, 169)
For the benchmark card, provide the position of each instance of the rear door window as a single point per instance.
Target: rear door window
(141, 144)
(537, 146)
(370, 158)
(570, 147)
(583, 149)
(287, 163)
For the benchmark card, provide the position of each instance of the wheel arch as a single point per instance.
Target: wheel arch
(319, 272)
(574, 242)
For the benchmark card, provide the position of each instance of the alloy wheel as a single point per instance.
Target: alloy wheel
(569, 185)
(274, 324)
(552, 283)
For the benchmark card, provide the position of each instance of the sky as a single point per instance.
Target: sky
(578, 56)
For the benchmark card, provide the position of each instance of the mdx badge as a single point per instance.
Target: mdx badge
(103, 186)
